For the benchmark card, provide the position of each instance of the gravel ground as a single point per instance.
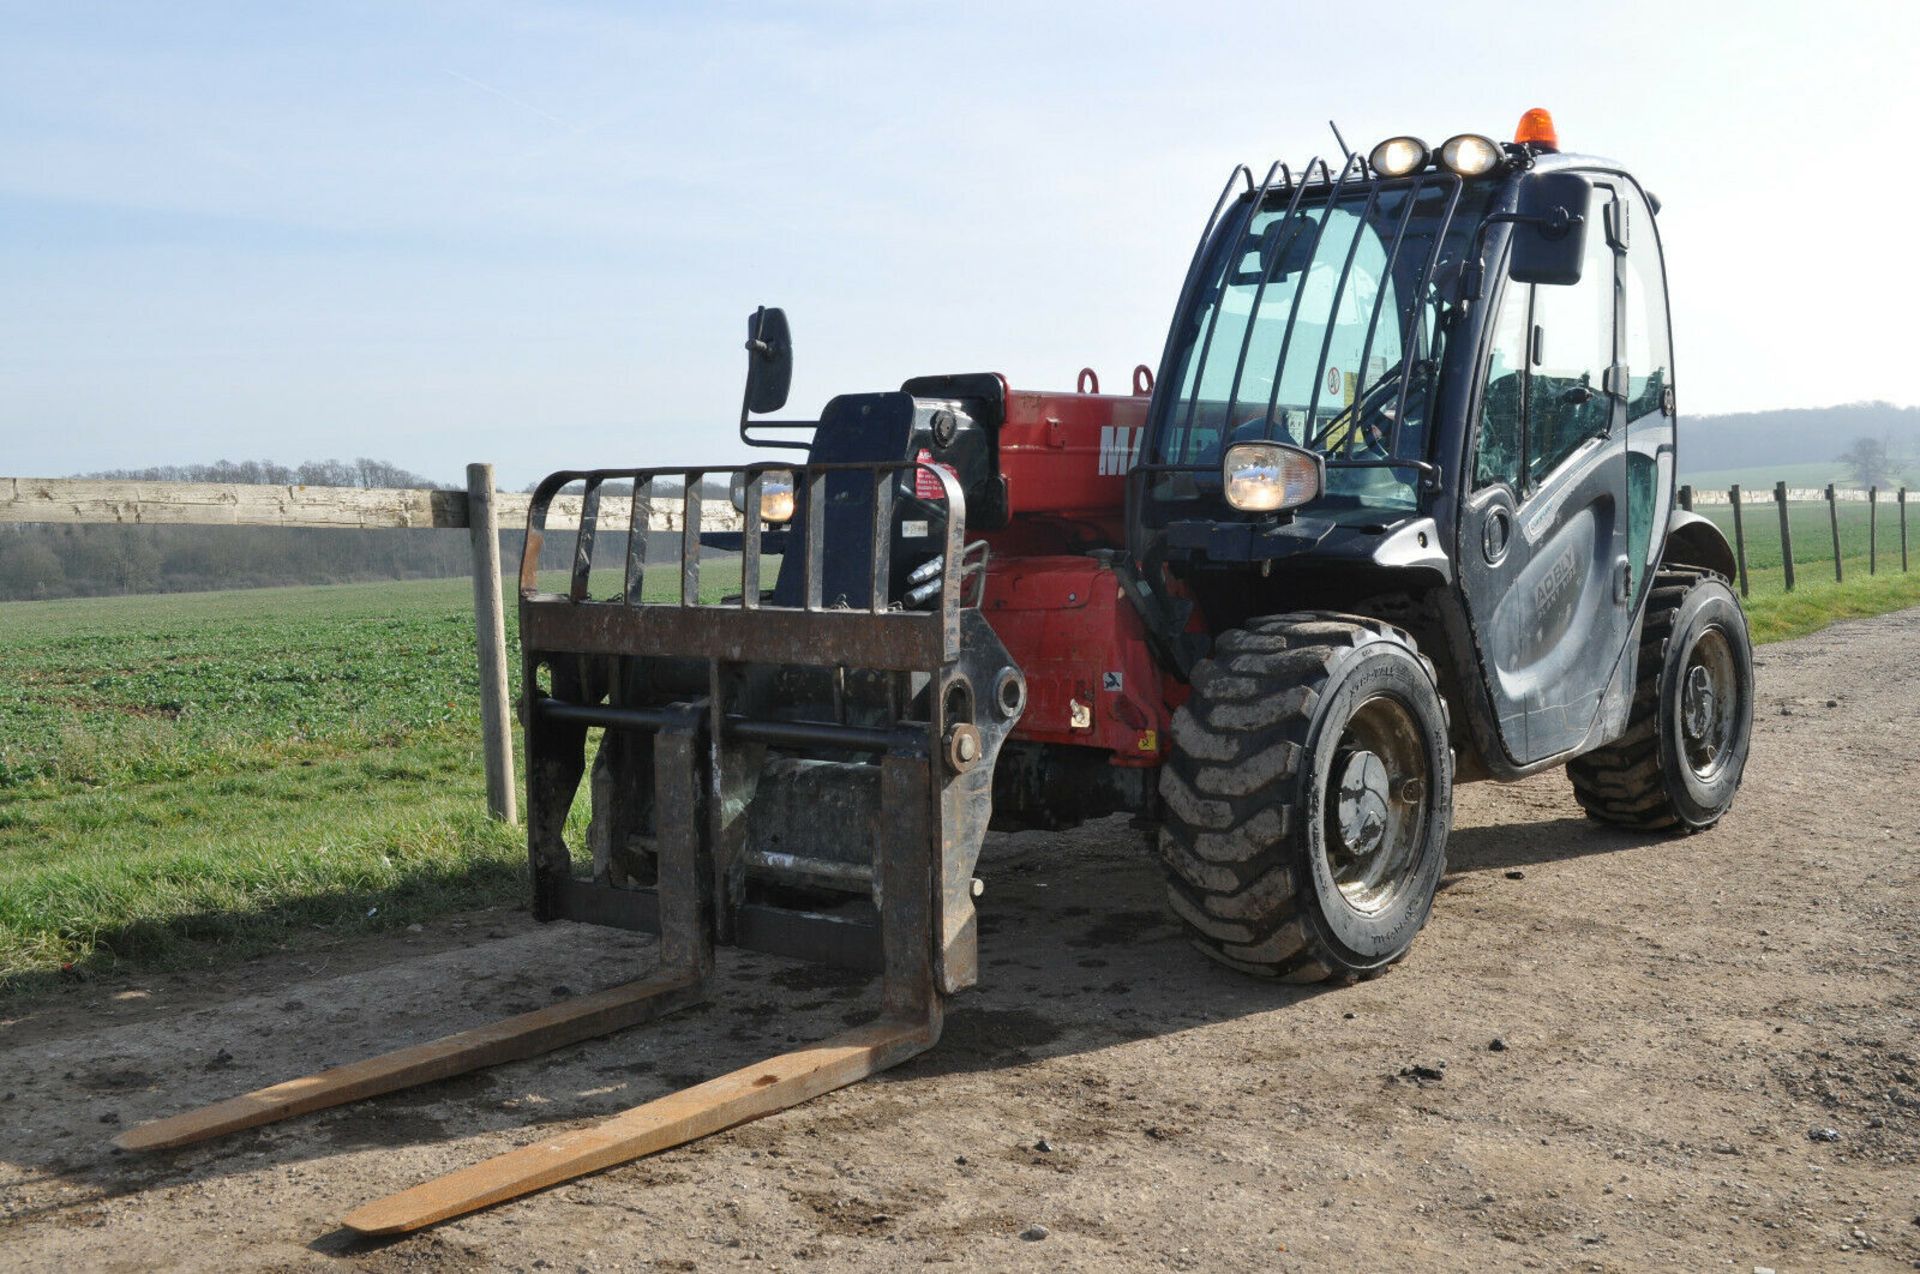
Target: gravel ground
(1607, 1052)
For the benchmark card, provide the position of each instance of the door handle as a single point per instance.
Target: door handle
(1496, 533)
(1622, 580)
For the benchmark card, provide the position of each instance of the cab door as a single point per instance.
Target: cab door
(1646, 383)
(1542, 552)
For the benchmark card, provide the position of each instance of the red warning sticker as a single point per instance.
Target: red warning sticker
(926, 485)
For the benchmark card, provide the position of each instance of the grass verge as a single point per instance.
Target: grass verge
(1777, 615)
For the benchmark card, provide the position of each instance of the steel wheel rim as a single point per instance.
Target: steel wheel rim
(1379, 772)
(1709, 704)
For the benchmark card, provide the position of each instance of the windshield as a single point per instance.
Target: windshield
(1318, 323)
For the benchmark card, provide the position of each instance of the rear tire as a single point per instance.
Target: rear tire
(1685, 748)
(1307, 798)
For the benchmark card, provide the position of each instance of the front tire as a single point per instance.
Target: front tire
(1307, 798)
(1685, 748)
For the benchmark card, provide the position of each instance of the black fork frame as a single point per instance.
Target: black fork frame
(920, 932)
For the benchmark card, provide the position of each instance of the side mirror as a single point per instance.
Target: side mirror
(769, 361)
(1550, 228)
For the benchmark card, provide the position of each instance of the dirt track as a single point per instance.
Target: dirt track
(1677, 1015)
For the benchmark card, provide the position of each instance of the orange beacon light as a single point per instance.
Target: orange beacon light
(1536, 129)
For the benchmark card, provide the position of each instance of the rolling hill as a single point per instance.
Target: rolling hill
(1800, 445)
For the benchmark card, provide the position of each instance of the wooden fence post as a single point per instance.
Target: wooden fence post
(1903, 530)
(490, 638)
(1873, 530)
(1786, 532)
(1739, 538)
(1833, 520)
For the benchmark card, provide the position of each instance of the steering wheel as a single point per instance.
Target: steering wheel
(1372, 415)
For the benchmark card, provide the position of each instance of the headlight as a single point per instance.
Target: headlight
(1398, 156)
(1470, 155)
(1268, 477)
(776, 494)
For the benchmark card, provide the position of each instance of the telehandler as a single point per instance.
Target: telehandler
(1396, 512)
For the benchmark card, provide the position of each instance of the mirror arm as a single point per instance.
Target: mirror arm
(752, 441)
(746, 393)
(1556, 225)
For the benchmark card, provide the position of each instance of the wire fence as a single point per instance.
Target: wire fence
(1780, 534)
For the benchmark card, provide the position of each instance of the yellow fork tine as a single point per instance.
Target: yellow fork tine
(673, 1120)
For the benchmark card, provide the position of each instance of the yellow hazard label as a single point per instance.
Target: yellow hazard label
(1150, 741)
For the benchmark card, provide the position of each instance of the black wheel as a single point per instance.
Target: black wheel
(1308, 794)
(1685, 747)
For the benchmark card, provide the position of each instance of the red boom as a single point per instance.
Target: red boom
(1092, 680)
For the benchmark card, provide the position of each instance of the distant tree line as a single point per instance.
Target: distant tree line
(1794, 435)
(89, 561)
(362, 473)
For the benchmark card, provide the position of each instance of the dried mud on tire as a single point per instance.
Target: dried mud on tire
(1709, 1055)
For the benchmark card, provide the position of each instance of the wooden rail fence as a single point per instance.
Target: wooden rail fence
(480, 509)
(1783, 495)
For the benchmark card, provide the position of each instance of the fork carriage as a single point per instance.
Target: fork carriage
(776, 773)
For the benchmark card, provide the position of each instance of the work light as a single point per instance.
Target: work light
(776, 494)
(1470, 155)
(1398, 156)
(1270, 477)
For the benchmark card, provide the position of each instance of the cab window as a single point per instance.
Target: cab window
(1649, 343)
(1502, 406)
(1572, 349)
(1545, 389)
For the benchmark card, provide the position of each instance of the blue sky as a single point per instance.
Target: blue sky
(530, 233)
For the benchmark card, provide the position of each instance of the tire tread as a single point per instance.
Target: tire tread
(1229, 782)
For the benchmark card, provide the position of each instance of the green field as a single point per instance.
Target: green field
(196, 778)
(192, 777)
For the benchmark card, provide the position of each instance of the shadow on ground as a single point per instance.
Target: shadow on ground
(1472, 850)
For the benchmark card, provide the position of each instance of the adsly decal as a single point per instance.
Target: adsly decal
(1551, 597)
